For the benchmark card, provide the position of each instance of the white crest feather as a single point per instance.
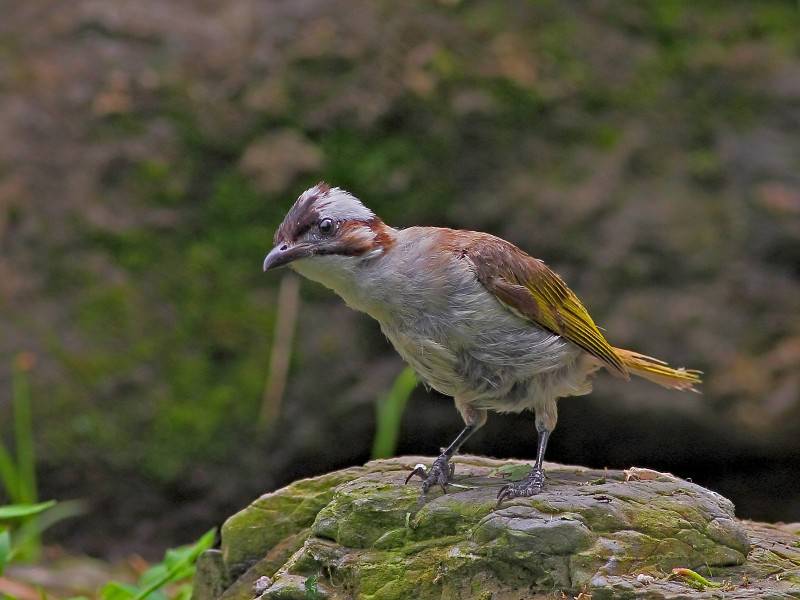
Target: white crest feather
(338, 204)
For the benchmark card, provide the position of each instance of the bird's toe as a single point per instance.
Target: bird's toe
(530, 486)
(440, 473)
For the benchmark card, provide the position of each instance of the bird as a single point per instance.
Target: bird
(476, 317)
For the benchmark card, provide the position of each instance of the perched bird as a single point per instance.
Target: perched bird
(477, 318)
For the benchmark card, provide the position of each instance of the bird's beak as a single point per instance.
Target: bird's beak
(284, 253)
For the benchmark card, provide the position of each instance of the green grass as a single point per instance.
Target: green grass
(168, 580)
(18, 471)
(11, 514)
(389, 414)
(18, 479)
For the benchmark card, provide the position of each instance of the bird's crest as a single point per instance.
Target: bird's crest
(317, 203)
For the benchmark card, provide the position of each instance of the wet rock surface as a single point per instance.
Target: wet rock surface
(361, 533)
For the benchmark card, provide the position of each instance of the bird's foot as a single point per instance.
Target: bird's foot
(441, 473)
(530, 486)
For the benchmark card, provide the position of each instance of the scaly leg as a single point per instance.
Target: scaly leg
(534, 481)
(441, 471)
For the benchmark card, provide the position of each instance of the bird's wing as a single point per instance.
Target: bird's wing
(531, 290)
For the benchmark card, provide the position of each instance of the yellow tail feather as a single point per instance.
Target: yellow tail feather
(660, 372)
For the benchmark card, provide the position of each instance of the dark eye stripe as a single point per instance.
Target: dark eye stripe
(300, 218)
(303, 229)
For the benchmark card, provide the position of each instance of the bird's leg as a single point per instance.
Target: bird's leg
(534, 481)
(442, 470)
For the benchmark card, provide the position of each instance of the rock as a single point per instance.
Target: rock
(211, 576)
(361, 533)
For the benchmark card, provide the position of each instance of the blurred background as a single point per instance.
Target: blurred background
(649, 152)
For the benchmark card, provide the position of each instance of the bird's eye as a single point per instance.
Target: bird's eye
(326, 226)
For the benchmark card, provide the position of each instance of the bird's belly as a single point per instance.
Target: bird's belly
(435, 364)
(505, 365)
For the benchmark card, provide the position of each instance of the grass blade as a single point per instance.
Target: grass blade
(18, 511)
(9, 478)
(188, 557)
(389, 414)
(30, 532)
(23, 429)
(5, 549)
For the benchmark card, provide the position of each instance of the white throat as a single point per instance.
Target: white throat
(348, 276)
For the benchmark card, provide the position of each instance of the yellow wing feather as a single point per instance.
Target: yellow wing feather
(532, 290)
(569, 318)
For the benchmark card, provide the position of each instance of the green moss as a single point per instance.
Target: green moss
(211, 576)
(422, 545)
(250, 533)
(394, 538)
(604, 517)
(360, 513)
(661, 516)
(390, 576)
(448, 515)
(389, 581)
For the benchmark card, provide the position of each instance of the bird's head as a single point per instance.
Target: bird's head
(327, 222)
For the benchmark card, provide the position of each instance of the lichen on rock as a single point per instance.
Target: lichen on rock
(361, 533)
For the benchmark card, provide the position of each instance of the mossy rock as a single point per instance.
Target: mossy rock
(360, 533)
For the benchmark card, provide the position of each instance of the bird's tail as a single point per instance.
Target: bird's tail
(659, 372)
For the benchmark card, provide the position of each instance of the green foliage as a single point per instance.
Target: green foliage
(18, 472)
(311, 588)
(168, 580)
(19, 511)
(18, 480)
(389, 414)
(207, 344)
(9, 547)
(5, 548)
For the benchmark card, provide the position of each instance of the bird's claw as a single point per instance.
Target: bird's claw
(419, 470)
(441, 473)
(530, 486)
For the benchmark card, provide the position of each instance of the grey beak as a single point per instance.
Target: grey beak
(274, 260)
(284, 253)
